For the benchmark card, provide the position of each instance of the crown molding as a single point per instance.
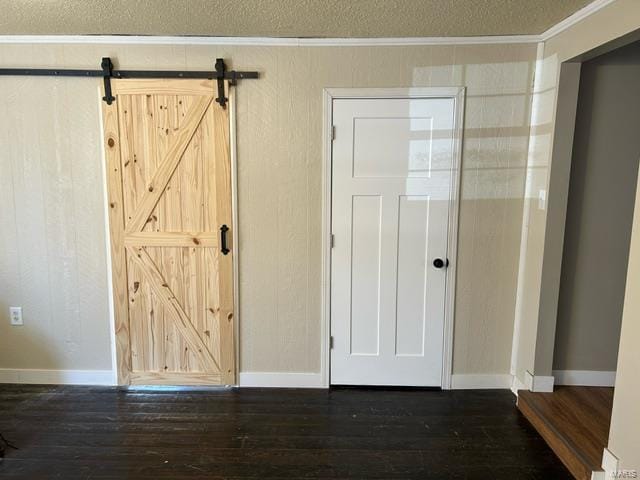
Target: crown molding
(568, 22)
(262, 41)
(577, 17)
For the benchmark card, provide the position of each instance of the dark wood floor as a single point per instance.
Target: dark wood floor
(89, 432)
(575, 423)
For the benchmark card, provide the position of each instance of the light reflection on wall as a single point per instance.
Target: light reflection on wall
(534, 215)
(494, 174)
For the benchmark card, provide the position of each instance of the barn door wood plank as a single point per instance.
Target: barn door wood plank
(172, 307)
(172, 239)
(167, 166)
(116, 228)
(225, 262)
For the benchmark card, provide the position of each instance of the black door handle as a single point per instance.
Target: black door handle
(223, 239)
(439, 263)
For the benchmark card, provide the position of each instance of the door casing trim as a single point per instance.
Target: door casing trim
(330, 94)
(231, 105)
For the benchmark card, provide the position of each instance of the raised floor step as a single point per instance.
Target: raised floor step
(574, 421)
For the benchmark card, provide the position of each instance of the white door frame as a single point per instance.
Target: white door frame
(235, 242)
(330, 94)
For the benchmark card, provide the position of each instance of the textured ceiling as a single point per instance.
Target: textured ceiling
(285, 18)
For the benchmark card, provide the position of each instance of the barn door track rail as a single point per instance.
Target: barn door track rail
(107, 72)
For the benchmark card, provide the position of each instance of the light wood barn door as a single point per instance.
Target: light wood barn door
(169, 187)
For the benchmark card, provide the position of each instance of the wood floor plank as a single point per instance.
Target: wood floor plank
(575, 423)
(103, 432)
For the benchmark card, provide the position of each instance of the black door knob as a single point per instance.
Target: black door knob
(439, 263)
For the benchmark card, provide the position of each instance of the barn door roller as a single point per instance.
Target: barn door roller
(107, 72)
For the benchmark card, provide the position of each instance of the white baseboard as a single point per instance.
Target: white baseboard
(612, 468)
(516, 385)
(60, 377)
(543, 383)
(470, 382)
(281, 380)
(528, 381)
(538, 383)
(314, 380)
(585, 378)
(610, 464)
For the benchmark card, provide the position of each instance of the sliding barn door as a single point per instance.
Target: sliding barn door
(169, 187)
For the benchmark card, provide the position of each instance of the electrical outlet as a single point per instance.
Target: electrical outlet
(16, 315)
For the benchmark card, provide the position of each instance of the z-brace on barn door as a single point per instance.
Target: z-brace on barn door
(169, 183)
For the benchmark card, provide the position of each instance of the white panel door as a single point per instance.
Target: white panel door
(392, 163)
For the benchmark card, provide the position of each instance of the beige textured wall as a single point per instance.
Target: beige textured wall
(52, 245)
(624, 441)
(52, 256)
(533, 347)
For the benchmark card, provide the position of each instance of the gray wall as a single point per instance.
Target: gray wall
(602, 190)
